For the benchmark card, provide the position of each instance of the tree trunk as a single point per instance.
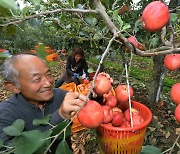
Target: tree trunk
(156, 85)
(159, 70)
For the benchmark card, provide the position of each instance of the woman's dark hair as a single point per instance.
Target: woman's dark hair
(77, 51)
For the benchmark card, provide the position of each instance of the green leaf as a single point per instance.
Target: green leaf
(15, 129)
(45, 145)
(41, 52)
(114, 4)
(10, 30)
(96, 37)
(63, 148)
(106, 2)
(80, 6)
(9, 4)
(137, 25)
(173, 17)
(90, 70)
(30, 141)
(154, 41)
(91, 20)
(126, 26)
(25, 10)
(36, 2)
(115, 13)
(43, 121)
(1, 143)
(120, 20)
(37, 7)
(1, 29)
(60, 127)
(149, 149)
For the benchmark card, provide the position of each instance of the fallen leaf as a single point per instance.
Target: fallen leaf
(152, 129)
(160, 103)
(177, 130)
(167, 135)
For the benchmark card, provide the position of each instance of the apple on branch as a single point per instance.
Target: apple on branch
(155, 16)
(133, 40)
(172, 61)
(177, 113)
(102, 84)
(175, 93)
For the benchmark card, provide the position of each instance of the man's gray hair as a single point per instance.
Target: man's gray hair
(9, 71)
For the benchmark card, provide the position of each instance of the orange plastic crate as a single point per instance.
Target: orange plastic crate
(77, 126)
(116, 140)
(83, 91)
(69, 87)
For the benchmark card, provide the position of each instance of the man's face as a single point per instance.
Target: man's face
(35, 79)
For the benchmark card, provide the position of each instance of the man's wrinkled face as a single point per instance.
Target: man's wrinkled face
(35, 79)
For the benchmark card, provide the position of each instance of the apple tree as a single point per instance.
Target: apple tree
(103, 27)
(93, 24)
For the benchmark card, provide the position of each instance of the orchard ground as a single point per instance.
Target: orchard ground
(161, 132)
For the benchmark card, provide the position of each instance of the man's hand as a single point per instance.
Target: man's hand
(73, 102)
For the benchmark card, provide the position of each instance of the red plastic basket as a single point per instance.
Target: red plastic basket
(116, 140)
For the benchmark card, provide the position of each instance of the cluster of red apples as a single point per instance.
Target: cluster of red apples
(154, 17)
(175, 96)
(113, 110)
(172, 63)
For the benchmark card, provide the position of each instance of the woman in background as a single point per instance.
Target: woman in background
(76, 68)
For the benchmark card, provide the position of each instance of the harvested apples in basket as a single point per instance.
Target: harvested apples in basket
(114, 109)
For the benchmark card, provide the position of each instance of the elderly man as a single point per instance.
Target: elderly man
(30, 79)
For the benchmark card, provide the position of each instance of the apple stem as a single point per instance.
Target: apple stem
(101, 62)
(129, 97)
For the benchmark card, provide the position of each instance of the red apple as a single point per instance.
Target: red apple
(155, 16)
(102, 85)
(177, 113)
(122, 93)
(111, 101)
(108, 115)
(117, 119)
(133, 40)
(175, 93)
(125, 124)
(127, 113)
(116, 109)
(172, 61)
(123, 105)
(110, 93)
(137, 120)
(91, 115)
